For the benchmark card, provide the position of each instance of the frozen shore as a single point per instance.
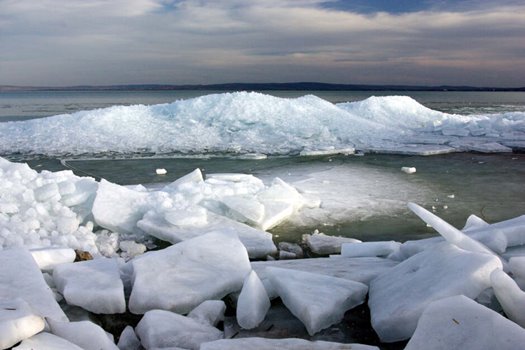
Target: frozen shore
(218, 285)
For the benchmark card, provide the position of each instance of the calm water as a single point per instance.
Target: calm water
(364, 197)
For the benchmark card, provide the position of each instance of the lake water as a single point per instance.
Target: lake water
(363, 196)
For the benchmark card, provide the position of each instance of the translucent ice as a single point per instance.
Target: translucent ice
(48, 258)
(253, 302)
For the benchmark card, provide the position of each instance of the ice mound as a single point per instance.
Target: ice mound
(398, 296)
(254, 123)
(458, 322)
(317, 300)
(17, 322)
(285, 344)
(182, 276)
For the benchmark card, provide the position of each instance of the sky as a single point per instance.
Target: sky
(110, 42)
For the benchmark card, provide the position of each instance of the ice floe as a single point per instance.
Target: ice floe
(255, 123)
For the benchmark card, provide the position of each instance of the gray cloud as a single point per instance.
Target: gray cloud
(51, 42)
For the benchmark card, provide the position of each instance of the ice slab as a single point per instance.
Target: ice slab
(94, 285)
(85, 334)
(317, 300)
(48, 258)
(182, 276)
(46, 341)
(512, 229)
(20, 277)
(17, 322)
(510, 296)
(322, 244)
(398, 296)
(285, 344)
(118, 208)
(411, 149)
(458, 322)
(366, 249)
(253, 302)
(128, 340)
(164, 329)
(258, 243)
(209, 312)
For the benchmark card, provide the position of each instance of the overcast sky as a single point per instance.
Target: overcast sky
(99, 42)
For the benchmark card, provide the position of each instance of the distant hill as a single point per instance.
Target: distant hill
(303, 86)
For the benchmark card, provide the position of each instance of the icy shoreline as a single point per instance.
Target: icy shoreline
(450, 289)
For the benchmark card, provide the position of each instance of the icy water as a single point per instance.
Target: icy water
(363, 196)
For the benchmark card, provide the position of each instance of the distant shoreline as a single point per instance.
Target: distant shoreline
(301, 86)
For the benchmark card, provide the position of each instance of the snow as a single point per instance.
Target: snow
(94, 285)
(17, 322)
(253, 302)
(458, 322)
(182, 276)
(163, 329)
(398, 296)
(21, 278)
(317, 300)
(285, 344)
(255, 123)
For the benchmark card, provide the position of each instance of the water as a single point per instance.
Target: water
(363, 197)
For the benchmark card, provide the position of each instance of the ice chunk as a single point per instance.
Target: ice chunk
(510, 296)
(474, 222)
(182, 276)
(163, 329)
(48, 258)
(457, 322)
(46, 341)
(128, 339)
(284, 344)
(161, 171)
(244, 209)
(322, 244)
(20, 277)
(364, 249)
(118, 208)
(317, 300)
(190, 216)
(512, 229)
(94, 285)
(398, 296)
(17, 322)
(253, 302)
(408, 170)
(209, 312)
(85, 334)
(517, 267)
(47, 192)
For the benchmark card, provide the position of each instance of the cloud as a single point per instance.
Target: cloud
(51, 42)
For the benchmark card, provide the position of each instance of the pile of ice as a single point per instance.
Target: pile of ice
(245, 123)
(60, 209)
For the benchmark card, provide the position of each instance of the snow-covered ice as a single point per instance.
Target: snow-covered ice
(164, 329)
(253, 302)
(94, 285)
(21, 278)
(398, 296)
(285, 344)
(458, 322)
(317, 300)
(17, 322)
(182, 276)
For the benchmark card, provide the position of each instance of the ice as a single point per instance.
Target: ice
(474, 222)
(21, 278)
(285, 344)
(322, 244)
(510, 296)
(17, 322)
(408, 170)
(48, 258)
(253, 302)
(512, 229)
(161, 171)
(46, 341)
(182, 276)
(163, 329)
(364, 249)
(398, 296)
(94, 285)
(317, 300)
(128, 339)
(457, 322)
(85, 334)
(244, 209)
(517, 267)
(209, 312)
